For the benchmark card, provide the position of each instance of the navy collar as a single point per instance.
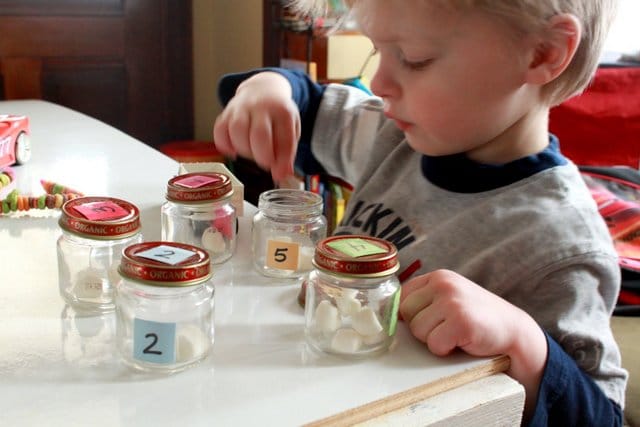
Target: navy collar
(459, 174)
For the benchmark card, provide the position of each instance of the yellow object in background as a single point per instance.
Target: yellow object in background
(346, 54)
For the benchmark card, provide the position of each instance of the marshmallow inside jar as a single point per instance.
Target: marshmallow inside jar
(352, 296)
(199, 211)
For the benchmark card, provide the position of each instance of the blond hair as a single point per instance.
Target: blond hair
(529, 16)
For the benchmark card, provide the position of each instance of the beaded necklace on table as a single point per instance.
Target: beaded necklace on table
(55, 195)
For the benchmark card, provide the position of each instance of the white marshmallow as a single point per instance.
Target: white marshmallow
(191, 343)
(212, 240)
(327, 317)
(374, 339)
(366, 322)
(305, 255)
(89, 325)
(346, 340)
(349, 293)
(89, 283)
(348, 306)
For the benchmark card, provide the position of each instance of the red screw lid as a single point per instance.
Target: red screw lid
(198, 187)
(355, 255)
(169, 264)
(101, 218)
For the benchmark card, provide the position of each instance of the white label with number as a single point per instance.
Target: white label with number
(167, 254)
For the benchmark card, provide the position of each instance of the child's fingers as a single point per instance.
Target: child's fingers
(221, 138)
(443, 338)
(285, 137)
(239, 125)
(261, 141)
(424, 321)
(411, 285)
(415, 302)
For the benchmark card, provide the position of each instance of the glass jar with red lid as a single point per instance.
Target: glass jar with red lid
(352, 296)
(198, 212)
(95, 230)
(164, 306)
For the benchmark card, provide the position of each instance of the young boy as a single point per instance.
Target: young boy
(501, 245)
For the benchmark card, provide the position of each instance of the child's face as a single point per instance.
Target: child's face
(453, 82)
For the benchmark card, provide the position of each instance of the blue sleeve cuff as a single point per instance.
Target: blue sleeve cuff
(569, 397)
(305, 93)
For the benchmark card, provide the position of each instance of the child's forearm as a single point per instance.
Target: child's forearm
(557, 391)
(567, 396)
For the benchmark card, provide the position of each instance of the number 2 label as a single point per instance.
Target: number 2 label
(154, 342)
(167, 254)
(282, 255)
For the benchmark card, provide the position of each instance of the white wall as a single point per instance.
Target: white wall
(624, 36)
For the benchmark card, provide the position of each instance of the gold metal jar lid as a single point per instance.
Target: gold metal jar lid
(168, 264)
(356, 256)
(198, 187)
(102, 218)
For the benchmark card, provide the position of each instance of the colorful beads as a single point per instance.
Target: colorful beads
(55, 188)
(6, 177)
(56, 195)
(17, 202)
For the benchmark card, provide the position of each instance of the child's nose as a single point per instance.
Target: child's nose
(383, 84)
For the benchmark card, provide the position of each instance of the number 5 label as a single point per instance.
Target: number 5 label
(282, 255)
(154, 342)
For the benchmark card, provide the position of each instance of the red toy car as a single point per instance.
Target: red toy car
(15, 145)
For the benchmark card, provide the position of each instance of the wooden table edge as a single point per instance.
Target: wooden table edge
(413, 395)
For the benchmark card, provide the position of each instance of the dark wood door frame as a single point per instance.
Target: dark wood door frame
(128, 63)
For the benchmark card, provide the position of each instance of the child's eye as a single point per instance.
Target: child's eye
(416, 65)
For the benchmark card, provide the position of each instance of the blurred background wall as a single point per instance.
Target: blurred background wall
(227, 37)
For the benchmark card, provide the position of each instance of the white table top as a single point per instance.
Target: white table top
(59, 367)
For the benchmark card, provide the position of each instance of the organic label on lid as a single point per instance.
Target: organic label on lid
(101, 211)
(197, 181)
(167, 254)
(356, 247)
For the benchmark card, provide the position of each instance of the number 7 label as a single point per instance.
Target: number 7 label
(154, 342)
(282, 255)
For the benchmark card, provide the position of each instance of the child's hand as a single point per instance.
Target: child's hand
(446, 310)
(261, 122)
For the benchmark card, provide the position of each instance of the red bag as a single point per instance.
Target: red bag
(616, 191)
(600, 127)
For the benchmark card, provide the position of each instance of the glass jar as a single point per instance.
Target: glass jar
(95, 230)
(164, 306)
(88, 340)
(198, 212)
(352, 296)
(286, 228)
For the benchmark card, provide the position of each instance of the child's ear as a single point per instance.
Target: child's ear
(555, 49)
